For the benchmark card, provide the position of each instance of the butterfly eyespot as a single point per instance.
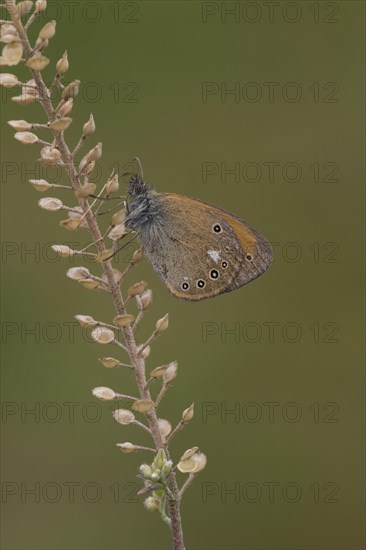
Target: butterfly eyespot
(201, 283)
(216, 228)
(224, 265)
(227, 248)
(249, 257)
(185, 286)
(214, 274)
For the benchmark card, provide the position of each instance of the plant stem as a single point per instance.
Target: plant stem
(137, 361)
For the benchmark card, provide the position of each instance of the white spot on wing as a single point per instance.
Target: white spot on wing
(214, 254)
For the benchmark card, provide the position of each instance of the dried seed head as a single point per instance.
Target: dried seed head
(71, 90)
(143, 405)
(51, 204)
(124, 417)
(62, 65)
(112, 185)
(105, 255)
(146, 299)
(86, 190)
(20, 126)
(127, 447)
(63, 250)
(41, 185)
(50, 156)
(90, 284)
(123, 320)
(41, 5)
(37, 62)
(12, 53)
(27, 138)
(104, 394)
(8, 80)
(158, 372)
(89, 127)
(24, 7)
(144, 351)
(162, 324)
(71, 224)
(146, 471)
(187, 414)
(188, 454)
(48, 31)
(117, 232)
(86, 320)
(137, 288)
(137, 256)
(165, 427)
(109, 362)
(170, 373)
(152, 503)
(61, 124)
(8, 33)
(66, 108)
(103, 335)
(77, 273)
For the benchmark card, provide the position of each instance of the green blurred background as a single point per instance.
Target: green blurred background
(293, 452)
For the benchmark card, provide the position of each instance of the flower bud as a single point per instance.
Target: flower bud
(117, 232)
(165, 427)
(123, 320)
(12, 53)
(112, 185)
(27, 138)
(187, 414)
(146, 298)
(104, 394)
(37, 62)
(159, 460)
(118, 217)
(8, 80)
(152, 503)
(86, 320)
(71, 90)
(127, 447)
(170, 373)
(41, 5)
(40, 185)
(162, 324)
(103, 335)
(143, 405)
(77, 273)
(48, 31)
(89, 127)
(50, 203)
(124, 417)
(20, 126)
(146, 471)
(62, 65)
(167, 467)
(60, 124)
(63, 250)
(137, 288)
(156, 475)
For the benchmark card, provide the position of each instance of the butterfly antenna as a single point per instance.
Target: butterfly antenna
(140, 166)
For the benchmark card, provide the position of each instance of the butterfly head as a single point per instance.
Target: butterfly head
(141, 203)
(137, 186)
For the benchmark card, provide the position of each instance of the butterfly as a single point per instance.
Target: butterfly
(198, 250)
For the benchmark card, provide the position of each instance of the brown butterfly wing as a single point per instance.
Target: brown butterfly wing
(201, 251)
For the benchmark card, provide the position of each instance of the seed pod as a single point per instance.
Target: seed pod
(24, 99)
(86, 320)
(105, 255)
(137, 288)
(51, 204)
(63, 250)
(117, 232)
(61, 124)
(158, 371)
(112, 185)
(50, 156)
(104, 394)
(8, 80)
(71, 90)
(37, 62)
(90, 284)
(143, 405)
(27, 138)
(103, 335)
(48, 31)
(123, 320)
(109, 362)
(127, 447)
(170, 373)
(146, 299)
(124, 417)
(187, 414)
(24, 7)
(77, 273)
(118, 217)
(41, 5)
(188, 453)
(40, 185)
(62, 65)
(165, 427)
(71, 224)
(145, 351)
(89, 127)
(12, 53)
(162, 324)
(137, 256)
(8, 33)
(20, 126)
(66, 108)
(86, 190)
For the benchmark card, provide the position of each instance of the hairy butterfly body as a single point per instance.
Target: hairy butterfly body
(197, 249)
